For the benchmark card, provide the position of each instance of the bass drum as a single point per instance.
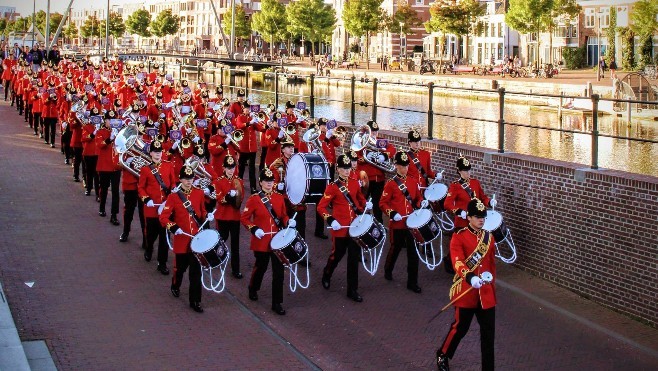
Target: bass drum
(289, 246)
(307, 176)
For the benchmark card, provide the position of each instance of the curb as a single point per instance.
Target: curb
(12, 354)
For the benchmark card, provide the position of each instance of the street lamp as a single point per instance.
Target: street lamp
(401, 37)
(598, 44)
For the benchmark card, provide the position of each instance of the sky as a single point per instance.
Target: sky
(24, 7)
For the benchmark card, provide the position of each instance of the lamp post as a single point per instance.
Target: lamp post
(401, 37)
(598, 45)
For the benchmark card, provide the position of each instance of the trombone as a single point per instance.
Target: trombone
(234, 135)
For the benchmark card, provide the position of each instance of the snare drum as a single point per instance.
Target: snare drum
(307, 176)
(494, 223)
(367, 232)
(436, 195)
(209, 249)
(423, 226)
(289, 247)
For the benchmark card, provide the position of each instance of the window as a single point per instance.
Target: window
(420, 2)
(500, 30)
(605, 17)
(589, 18)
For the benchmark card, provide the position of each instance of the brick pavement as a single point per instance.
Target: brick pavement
(98, 305)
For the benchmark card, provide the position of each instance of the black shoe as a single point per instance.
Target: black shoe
(87, 193)
(414, 288)
(354, 295)
(388, 276)
(237, 275)
(326, 281)
(52, 145)
(76, 179)
(147, 256)
(124, 237)
(162, 269)
(102, 213)
(114, 220)
(196, 306)
(321, 236)
(174, 291)
(442, 361)
(253, 295)
(278, 309)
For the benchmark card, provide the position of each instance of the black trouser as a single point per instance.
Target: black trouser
(263, 155)
(66, 144)
(375, 190)
(300, 219)
(180, 266)
(131, 201)
(154, 230)
(49, 125)
(402, 238)
(249, 157)
(487, 320)
(110, 178)
(6, 84)
(77, 160)
(19, 103)
(28, 113)
(342, 245)
(232, 228)
(91, 175)
(35, 123)
(260, 267)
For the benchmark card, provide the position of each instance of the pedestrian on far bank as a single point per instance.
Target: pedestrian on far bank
(613, 68)
(385, 67)
(602, 67)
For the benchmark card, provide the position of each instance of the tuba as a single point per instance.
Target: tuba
(202, 178)
(362, 139)
(131, 149)
(312, 138)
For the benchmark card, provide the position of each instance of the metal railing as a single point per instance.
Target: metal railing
(430, 90)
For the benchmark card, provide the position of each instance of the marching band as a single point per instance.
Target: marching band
(175, 152)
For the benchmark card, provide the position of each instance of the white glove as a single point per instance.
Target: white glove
(476, 282)
(64, 125)
(232, 193)
(196, 182)
(368, 205)
(439, 176)
(330, 132)
(227, 140)
(259, 233)
(292, 223)
(150, 203)
(188, 130)
(360, 184)
(493, 202)
(98, 126)
(175, 145)
(178, 231)
(210, 216)
(462, 214)
(397, 218)
(300, 120)
(254, 120)
(196, 139)
(381, 158)
(335, 225)
(114, 134)
(206, 192)
(280, 186)
(156, 124)
(280, 133)
(424, 203)
(95, 131)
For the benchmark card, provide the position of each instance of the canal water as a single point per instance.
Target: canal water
(619, 154)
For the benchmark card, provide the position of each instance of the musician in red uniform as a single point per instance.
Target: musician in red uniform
(460, 193)
(107, 167)
(131, 201)
(229, 190)
(264, 215)
(248, 147)
(399, 199)
(183, 220)
(49, 113)
(420, 166)
(155, 182)
(376, 176)
(472, 251)
(220, 146)
(347, 202)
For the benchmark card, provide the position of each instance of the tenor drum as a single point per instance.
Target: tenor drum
(436, 195)
(367, 232)
(307, 176)
(289, 246)
(209, 249)
(423, 226)
(494, 223)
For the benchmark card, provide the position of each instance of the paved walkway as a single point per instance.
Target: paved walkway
(99, 305)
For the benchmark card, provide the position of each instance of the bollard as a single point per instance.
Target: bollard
(180, 70)
(595, 131)
(430, 111)
(221, 77)
(501, 120)
(353, 103)
(312, 97)
(246, 83)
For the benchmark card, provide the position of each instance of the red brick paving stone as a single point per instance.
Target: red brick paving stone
(95, 298)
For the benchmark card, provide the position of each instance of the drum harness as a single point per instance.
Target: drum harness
(343, 189)
(420, 167)
(268, 206)
(158, 178)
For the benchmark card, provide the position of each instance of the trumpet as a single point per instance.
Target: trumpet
(185, 143)
(304, 114)
(340, 132)
(234, 135)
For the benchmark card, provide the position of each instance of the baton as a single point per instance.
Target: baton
(487, 277)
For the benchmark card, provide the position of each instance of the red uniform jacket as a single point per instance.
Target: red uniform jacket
(225, 208)
(256, 216)
(272, 141)
(218, 150)
(424, 160)
(175, 216)
(341, 209)
(128, 181)
(329, 147)
(375, 174)
(394, 202)
(107, 157)
(88, 140)
(457, 199)
(149, 188)
(49, 106)
(248, 143)
(462, 245)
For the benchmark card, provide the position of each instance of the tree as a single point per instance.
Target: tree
(242, 24)
(404, 20)
(90, 28)
(22, 24)
(271, 22)
(529, 16)
(3, 26)
(166, 23)
(138, 23)
(55, 19)
(451, 17)
(645, 24)
(363, 17)
(311, 19)
(70, 32)
(117, 27)
(610, 33)
(628, 48)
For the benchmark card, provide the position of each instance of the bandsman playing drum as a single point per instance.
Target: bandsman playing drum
(420, 166)
(399, 199)
(264, 215)
(347, 202)
(183, 215)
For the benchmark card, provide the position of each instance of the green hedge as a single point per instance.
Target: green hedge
(575, 58)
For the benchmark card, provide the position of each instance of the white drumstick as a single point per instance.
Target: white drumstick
(293, 218)
(266, 233)
(493, 198)
(206, 221)
(364, 213)
(187, 234)
(341, 227)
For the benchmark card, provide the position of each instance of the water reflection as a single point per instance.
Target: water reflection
(617, 154)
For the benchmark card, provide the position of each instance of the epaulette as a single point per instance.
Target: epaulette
(461, 230)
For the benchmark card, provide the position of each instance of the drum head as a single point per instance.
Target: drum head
(435, 192)
(296, 182)
(492, 221)
(283, 239)
(360, 225)
(419, 218)
(204, 241)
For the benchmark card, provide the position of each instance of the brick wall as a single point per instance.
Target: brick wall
(593, 232)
